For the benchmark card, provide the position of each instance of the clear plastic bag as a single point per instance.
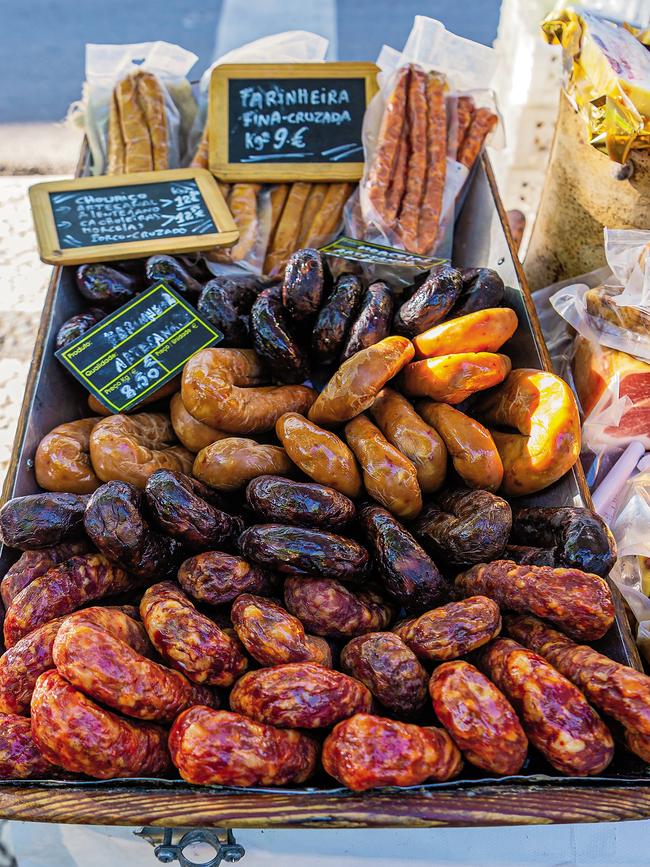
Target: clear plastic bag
(106, 65)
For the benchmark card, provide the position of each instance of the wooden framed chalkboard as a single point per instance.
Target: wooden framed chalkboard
(111, 217)
(289, 121)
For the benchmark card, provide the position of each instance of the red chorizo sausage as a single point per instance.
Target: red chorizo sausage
(32, 564)
(20, 757)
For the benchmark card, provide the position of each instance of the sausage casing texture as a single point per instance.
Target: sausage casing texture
(417, 440)
(173, 272)
(20, 757)
(302, 551)
(430, 302)
(555, 715)
(217, 578)
(306, 278)
(194, 434)
(272, 636)
(299, 695)
(275, 499)
(358, 380)
(104, 666)
(226, 304)
(392, 672)
(367, 751)
(231, 463)
(388, 476)
(115, 523)
(373, 321)
(462, 527)
(189, 641)
(274, 340)
(407, 572)
(62, 459)
(105, 285)
(618, 690)
(454, 378)
(451, 630)
(319, 453)
(78, 325)
(84, 738)
(483, 331)
(61, 590)
(335, 318)
(189, 511)
(580, 603)
(42, 520)
(218, 747)
(32, 564)
(326, 607)
(480, 719)
(482, 288)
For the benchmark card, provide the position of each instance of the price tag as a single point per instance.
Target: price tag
(104, 218)
(138, 348)
(291, 121)
(364, 251)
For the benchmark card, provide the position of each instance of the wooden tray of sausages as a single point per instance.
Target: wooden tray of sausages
(536, 795)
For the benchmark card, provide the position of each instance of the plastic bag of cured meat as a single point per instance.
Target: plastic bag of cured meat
(422, 134)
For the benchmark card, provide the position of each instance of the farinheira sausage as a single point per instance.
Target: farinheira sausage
(555, 715)
(436, 143)
(409, 215)
(579, 602)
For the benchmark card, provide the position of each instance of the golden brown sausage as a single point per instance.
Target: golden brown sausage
(358, 380)
(453, 378)
(328, 219)
(62, 460)
(152, 99)
(542, 408)
(320, 454)
(130, 448)
(472, 449)
(194, 434)
(285, 239)
(482, 331)
(231, 463)
(418, 441)
(389, 477)
(201, 158)
(221, 387)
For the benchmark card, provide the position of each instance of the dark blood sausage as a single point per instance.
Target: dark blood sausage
(430, 302)
(373, 321)
(580, 603)
(273, 338)
(577, 538)
(306, 279)
(105, 285)
(482, 288)
(367, 751)
(335, 318)
(462, 526)
(78, 325)
(32, 564)
(20, 757)
(407, 572)
(301, 695)
(452, 630)
(391, 671)
(84, 738)
(107, 665)
(116, 525)
(188, 640)
(326, 607)
(301, 551)
(217, 578)
(217, 747)
(42, 520)
(167, 269)
(61, 590)
(190, 511)
(555, 715)
(226, 304)
(274, 498)
(479, 718)
(618, 690)
(527, 555)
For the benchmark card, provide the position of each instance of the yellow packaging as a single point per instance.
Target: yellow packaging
(609, 79)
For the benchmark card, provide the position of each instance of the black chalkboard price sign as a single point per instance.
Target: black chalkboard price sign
(290, 121)
(127, 216)
(138, 348)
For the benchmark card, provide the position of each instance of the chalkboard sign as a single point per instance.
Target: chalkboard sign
(126, 216)
(138, 348)
(292, 121)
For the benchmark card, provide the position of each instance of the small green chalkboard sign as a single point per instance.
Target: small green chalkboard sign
(138, 348)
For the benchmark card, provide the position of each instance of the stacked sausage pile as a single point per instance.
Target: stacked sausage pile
(312, 562)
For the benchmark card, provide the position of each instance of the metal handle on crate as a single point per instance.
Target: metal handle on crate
(169, 846)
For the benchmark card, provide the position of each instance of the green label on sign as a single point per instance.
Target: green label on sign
(138, 348)
(365, 251)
